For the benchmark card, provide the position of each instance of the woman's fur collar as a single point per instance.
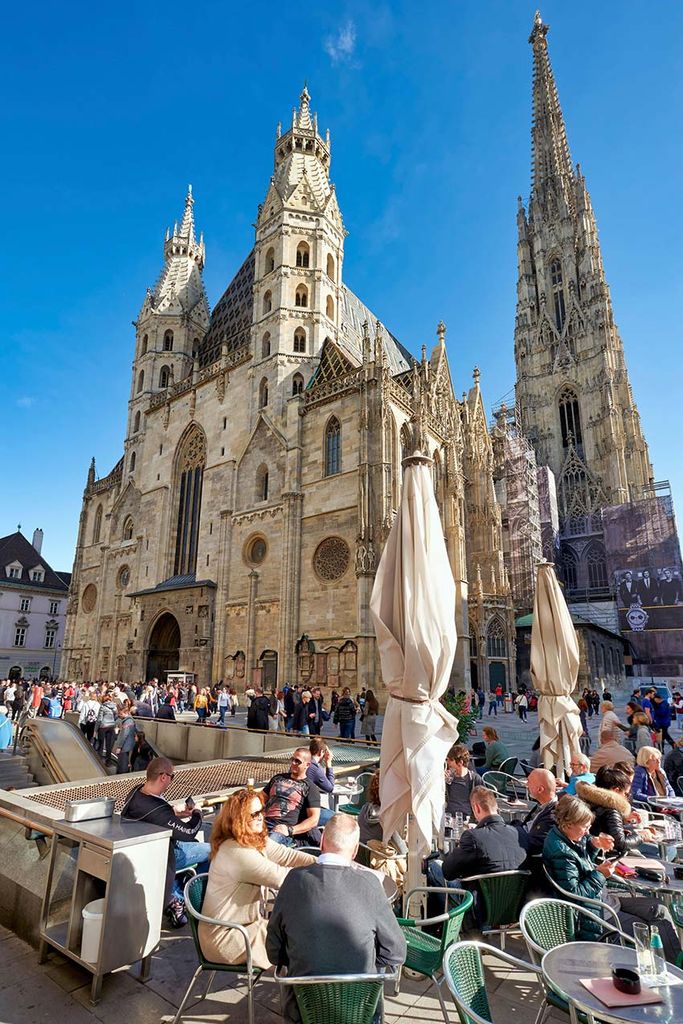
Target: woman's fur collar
(603, 798)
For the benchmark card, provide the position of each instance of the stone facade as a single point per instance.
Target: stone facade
(239, 535)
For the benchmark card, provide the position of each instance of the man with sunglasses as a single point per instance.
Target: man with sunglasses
(293, 804)
(146, 803)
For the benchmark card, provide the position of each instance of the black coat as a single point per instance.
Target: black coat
(258, 713)
(535, 827)
(609, 809)
(491, 846)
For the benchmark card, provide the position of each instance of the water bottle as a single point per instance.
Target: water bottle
(458, 826)
(659, 973)
(448, 825)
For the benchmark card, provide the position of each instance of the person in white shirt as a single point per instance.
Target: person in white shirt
(610, 724)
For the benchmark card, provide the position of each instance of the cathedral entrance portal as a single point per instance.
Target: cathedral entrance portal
(269, 670)
(496, 675)
(164, 647)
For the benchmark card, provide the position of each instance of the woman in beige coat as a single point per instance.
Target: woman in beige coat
(244, 861)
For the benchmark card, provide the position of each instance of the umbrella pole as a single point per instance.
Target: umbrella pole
(415, 877)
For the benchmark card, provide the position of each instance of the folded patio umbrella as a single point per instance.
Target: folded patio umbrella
(413, 609)
(554, 670)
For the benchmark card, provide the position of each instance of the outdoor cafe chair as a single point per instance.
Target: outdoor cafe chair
(598, 907)
(425, 952)
(360, 797)
(508, 766)
(463, 970)
(502, 893)
(547, 923)
(679, 785)
(338, 998)
(505, 785)
(195, 890)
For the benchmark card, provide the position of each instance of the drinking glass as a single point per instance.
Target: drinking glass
(641, 934)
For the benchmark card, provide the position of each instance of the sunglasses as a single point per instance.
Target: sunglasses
(295, 760)
(257, 814)
(170, 775)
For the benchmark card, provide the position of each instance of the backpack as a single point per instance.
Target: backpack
(91, 715)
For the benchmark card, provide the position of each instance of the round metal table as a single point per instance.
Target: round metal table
(671, 803)
(564, 966)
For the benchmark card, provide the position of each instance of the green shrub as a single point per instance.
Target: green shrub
(455, 703)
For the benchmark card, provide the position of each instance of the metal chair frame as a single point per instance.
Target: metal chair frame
(465, 1012)
(587, 901)
(362, 783)
(341, 979)
(536, 951)
(460, 911)
(503, 928)
(515, 785)
(252, 973)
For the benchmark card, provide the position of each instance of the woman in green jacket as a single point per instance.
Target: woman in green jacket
(496, 752)
(570, 854)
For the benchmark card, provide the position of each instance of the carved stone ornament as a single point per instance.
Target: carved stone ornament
(331, 559)
(366, 559)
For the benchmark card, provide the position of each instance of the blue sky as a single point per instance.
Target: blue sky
(109, 110)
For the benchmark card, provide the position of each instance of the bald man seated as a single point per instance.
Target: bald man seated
(542, 787)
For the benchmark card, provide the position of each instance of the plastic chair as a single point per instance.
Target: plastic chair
(337, 998)
(425, 952)
(195, 890)
(464, 973)
(502, 893)
(547, 923)
(359, 798)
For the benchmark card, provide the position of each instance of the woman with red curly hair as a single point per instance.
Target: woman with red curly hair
(243, 862)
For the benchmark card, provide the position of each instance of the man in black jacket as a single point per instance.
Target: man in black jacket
(147, 803)
(258, 711)
(542, 787)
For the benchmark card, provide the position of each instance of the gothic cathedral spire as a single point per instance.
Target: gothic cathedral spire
(572, 385)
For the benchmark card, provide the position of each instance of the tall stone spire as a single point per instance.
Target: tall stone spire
(572, 387)
(551, 163)
(180, 287)
(302, 153)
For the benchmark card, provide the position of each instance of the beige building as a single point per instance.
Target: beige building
(239, 534)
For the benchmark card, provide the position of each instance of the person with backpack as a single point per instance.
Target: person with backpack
(88, 715)
(106, 725)
(125, 741)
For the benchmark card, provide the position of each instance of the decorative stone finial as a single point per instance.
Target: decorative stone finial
(441, 333)
(476, 374)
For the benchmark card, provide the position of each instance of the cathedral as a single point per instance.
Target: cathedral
(239, 534)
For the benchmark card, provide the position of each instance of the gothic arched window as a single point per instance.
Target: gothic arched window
(558, 293)
(267, 302)
(97, 526)
(303, 255)
(333, 447)
(133, 458)
(136, 422)
(265, 345)
(596, 565)
(168, 341)
(300, 340)
(570, 569)
(570, 417)
(141, 381)
(143, 347)
(164, 376)
(270, 261)
(330, 266)
(297, 384)
(263, 393)
(190, 462)
(329, 308)
(301, 296)
(128, 528)
(262, 483)
(496, 644)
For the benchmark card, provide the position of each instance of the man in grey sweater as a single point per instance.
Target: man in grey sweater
(332, 918)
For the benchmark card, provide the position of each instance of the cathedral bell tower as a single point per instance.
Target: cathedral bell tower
(298, 260)
(572, 383)
(173, 318)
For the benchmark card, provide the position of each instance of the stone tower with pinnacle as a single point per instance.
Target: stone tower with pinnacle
(572, 386)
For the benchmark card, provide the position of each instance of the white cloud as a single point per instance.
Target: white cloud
(341, 46)
(25, 402)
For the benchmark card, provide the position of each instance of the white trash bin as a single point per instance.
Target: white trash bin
(92, 927)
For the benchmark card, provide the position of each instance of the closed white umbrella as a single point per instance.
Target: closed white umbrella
(413, 609)
(554, 670)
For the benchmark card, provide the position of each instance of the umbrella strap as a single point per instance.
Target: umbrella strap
(410, 700)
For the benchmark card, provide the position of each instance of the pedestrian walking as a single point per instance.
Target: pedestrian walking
(493, 704)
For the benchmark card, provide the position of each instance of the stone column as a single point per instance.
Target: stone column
(222, 592)
(251, 626)
(290, 585)
(95, 668)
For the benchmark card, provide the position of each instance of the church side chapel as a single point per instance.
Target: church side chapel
(239, 534)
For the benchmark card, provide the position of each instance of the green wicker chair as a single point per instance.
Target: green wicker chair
(547, 923)
(598, 907)
(464, 973)
(502, 893)
(357, 801)
(195, 891)
(424, 951)
(338, 998)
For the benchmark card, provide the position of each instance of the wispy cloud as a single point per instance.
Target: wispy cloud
(341, 46)
(25, 402)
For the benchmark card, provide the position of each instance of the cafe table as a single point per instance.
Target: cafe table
(670, 886)
(342, 793)
(565, 966)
